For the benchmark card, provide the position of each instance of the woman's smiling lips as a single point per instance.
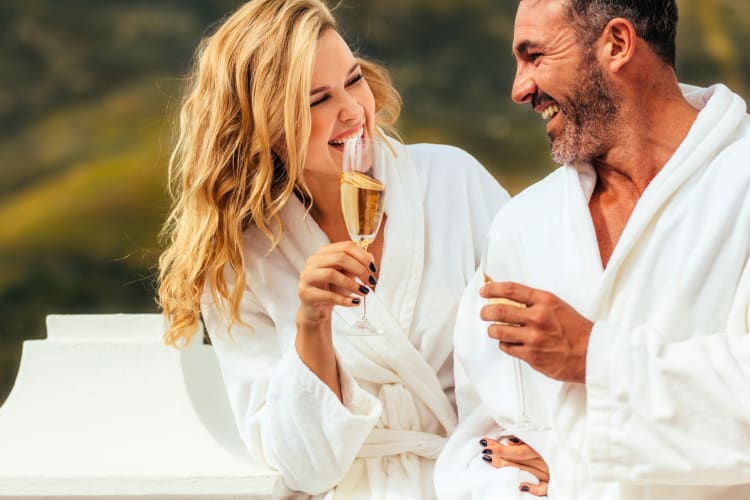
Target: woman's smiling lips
(338, 141)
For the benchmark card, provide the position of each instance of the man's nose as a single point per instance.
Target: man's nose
(524, 86)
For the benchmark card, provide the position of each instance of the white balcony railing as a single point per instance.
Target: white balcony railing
(101, 408)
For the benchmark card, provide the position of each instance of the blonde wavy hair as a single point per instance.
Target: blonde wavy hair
(244, 126)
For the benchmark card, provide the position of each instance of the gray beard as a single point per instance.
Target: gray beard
(589, 117)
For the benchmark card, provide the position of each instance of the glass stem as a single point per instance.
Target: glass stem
(364, 298)
(520, 391)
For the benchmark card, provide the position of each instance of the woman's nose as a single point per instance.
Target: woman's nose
(351, 109)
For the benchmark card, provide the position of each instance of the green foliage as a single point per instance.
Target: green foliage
(90, 90)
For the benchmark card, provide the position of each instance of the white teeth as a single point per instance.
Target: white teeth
(550, 111)
(339, 142)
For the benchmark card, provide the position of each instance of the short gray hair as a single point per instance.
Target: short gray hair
(655, 21)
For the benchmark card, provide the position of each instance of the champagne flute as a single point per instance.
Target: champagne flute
(522, 421)
(362, 202)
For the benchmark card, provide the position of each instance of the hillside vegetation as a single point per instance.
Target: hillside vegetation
(90, 90)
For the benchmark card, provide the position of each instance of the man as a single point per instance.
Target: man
(629, 272)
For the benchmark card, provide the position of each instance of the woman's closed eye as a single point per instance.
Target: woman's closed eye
(319, 100)
(354, 80)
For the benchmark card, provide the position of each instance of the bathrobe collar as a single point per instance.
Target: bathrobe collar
(391, 306)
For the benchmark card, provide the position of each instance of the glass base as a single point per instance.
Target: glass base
(527, 425)
(364, 328)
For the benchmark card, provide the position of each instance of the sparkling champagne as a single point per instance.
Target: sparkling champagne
(362, 205)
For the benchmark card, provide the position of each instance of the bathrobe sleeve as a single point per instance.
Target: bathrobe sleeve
(460, 472)
(288, 418)
(671, 413)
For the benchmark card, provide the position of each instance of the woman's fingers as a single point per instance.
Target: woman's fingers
(347, 258)
(515, 454)
(539, 490)
(332, 280)
(336, 275)
(313, 296)
(499, 462)
(343, 265)
(350, 248)
(512, 452)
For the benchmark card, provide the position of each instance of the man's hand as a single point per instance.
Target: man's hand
(547, 333)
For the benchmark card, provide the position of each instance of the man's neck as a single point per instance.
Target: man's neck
(650, 133)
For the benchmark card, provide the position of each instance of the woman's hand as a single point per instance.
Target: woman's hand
(517, 454)
(329, 279)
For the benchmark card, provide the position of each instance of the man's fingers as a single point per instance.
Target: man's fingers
(508, 290)
(519, 351)
(503, 313)
(507, 334)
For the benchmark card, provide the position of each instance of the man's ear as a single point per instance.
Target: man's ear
(619, 42)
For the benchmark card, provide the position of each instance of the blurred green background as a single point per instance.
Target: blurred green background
(90, 89)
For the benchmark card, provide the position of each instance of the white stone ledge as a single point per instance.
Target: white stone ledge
(102, 409)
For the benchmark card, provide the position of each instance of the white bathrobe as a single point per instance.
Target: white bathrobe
(665, 410)
(398, 402)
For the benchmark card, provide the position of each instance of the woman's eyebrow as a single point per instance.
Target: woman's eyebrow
(325, 87)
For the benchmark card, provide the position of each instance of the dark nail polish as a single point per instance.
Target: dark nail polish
(487, 458)
(364, 289)
(483, 442)
(373, 281)
(524, 488)
(355, 301)
(514, 440)
(373, 268)
(487, 451)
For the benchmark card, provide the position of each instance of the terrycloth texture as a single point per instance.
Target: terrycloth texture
(665, 410)
(397, 388)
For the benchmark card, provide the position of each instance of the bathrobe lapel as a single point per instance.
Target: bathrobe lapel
(716, 126)
(391, 357)
(391, 307)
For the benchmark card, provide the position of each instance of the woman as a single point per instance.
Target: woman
(257, 243)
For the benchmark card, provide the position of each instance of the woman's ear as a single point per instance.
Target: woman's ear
(619, 43)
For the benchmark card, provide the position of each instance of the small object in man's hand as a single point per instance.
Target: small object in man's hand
(503, 301)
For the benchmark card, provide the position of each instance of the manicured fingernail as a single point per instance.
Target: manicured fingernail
(373, 281)
(373, 268)
(355, 300)
(487, 458)
(514, 440)
(483, 442)
(487, 451)
(524, 488)
(364, 289)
